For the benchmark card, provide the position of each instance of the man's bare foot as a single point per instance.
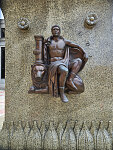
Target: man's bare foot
(64, 98)
(62, 95)
(70, 84)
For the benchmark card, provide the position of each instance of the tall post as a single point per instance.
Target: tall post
(38, 52)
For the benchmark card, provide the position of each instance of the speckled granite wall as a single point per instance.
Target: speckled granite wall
(96, 103)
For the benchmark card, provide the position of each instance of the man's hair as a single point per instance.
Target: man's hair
(55, 26)
(49, 39)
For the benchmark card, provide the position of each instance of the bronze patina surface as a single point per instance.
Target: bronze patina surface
(57, 64)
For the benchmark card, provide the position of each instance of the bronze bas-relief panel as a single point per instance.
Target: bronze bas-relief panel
(56, 67)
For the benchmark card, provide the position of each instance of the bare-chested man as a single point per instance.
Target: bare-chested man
(59, 63)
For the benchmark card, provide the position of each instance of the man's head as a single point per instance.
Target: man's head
(55, 30)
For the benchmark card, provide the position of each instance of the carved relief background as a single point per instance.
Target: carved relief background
(70, 135)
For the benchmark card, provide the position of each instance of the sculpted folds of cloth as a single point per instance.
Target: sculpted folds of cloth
(57, 64)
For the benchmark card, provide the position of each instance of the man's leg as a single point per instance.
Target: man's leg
(76, 66)
(63, 72)
(74, 70)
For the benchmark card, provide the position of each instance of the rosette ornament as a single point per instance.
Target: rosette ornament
(91, 20)
(23, 23)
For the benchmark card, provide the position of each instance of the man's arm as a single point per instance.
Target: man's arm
(73, 45)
